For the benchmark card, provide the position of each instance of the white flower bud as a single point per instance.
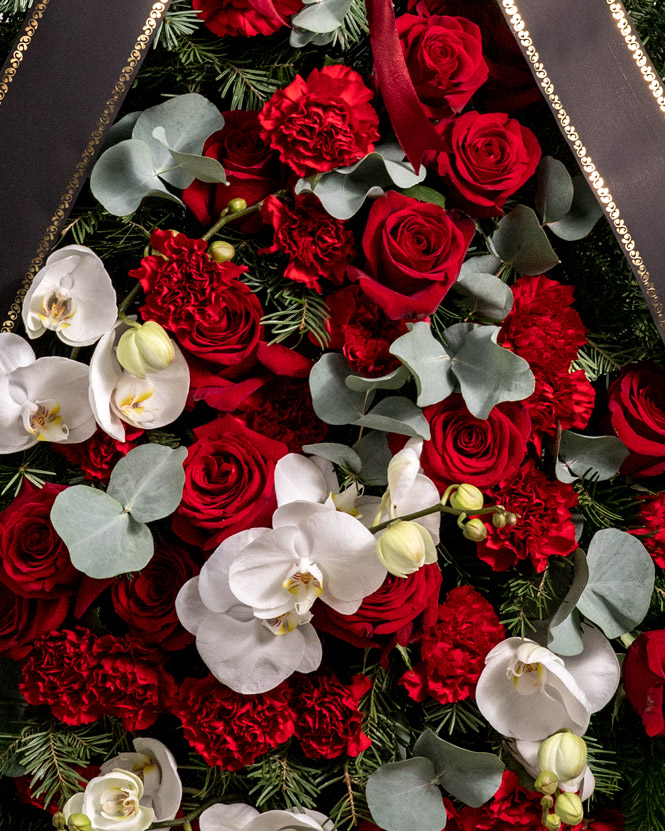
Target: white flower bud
(79, 822)
(569, 808)
(474, 530)
(145, 349)
(547, 782)
(564, 754)
(467, 498)
(404, 547)
(552, 822)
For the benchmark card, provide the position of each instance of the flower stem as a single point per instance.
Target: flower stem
(226, 217)
(128, 299)
(187, 819)
(438, 508)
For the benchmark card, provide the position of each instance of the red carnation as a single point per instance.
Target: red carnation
(453, 648)
(328, 722)
(82, 677)
(318, 246)
(512, 807)
(204, 304)
(651, 532)
(563, 399)
(229, 729)
(323, 122)
(239, 17)
(544, 526)
(97, 456)
(643, 672)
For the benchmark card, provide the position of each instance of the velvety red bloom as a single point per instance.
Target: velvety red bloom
(212, 314)
(23, 619)
(146, 602)
(544, 527)
(251, 171)
(485, 158)
(229, 729)
(444, 56)
(363, 332)
(98, 455)
(82, 677)
(468, 449)
(323, 122)
(607, 819)
(229, 482)
(453, 648)
(328, 722)
(414, 254)
(239, 17)
(562, 400)
(396, 613)
(651, 532)
(512, 808)
(643, 672)
(637, 406)
(318, 246)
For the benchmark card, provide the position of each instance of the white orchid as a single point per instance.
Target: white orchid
(43, 399)
(112, 802)
(240, 817)
(71, 295)
(155, 766)
(117, 396)
(248, 654)
(527, 692)
(302, 479)
(527, 753)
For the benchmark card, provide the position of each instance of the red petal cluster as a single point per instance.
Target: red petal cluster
(651, 532)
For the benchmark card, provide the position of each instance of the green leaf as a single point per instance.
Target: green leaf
(471, 777)
(194, 166)
(338, 454)
(392, 381)
(102, 538)
(148, 481)
(521, 242)
(554, 191)
(425, 194)
(564, 635)
(333, 401)
(485, 294)
(592, 457)
(403, 796)
(428, 362)
(396, 414)
(621, 581)
(583, 215)
(567, 636)
(321, 16)
(375, 457)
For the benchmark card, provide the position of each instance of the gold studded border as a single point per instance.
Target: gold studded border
(126, 76)
(591, 172)
(20, 49)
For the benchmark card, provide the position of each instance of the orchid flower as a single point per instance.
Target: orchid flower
(526, 753)
(527, 692)
(299, 478)
(71, 295)
(117, 396)
(240, 817)
(112, 802)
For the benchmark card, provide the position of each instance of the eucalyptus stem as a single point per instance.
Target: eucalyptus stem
(438, 508)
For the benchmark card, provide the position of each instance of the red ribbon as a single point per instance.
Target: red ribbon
(267, 9)
(414, 131)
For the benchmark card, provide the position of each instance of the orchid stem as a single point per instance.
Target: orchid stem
(187, 819)
(128, 299)
(438, 508)
(226, 217)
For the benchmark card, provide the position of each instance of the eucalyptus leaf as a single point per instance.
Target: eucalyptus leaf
(301, 37)
(621, 581)
(428, 361)
(425, 194)
(563, 632)
(321, 16)
(471, 777)
(567, 636)
(554, 190)
(403, 796)
(485, 294)
(102, 538)
(392, 381)
(375, 457)
(338, 454)
(396, 414)
(121, 130)
(592, 457)
(521, 242)
(193, 166)
(481, 264)
(333, 401)
(583, 215)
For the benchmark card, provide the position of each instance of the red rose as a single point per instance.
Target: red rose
(486, 158)
(323, 122)
(97, 456)
(643, 672)
(544, 527)
(251, 171)
(23, 619)
(318, 246)
(239, 17)
(512, 807)
(651, 532)
(147, 601)
(396, 613)
(363, 332)
(637, 406)
(328, 722)
(453, 648)
(414, 253)
(229, 729)
(209, 310)
(467, 449)
(444, 56)
(229, 482)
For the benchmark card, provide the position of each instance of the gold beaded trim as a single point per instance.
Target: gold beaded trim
(16, 57)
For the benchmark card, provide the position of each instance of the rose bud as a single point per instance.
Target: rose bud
(222, 252)
(145, 349)
(467, 498)
(547, 782)
(474, 530)
(564, 754)
(569, 808)
(404, 547)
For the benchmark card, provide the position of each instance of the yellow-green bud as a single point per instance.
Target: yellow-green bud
(547, 782)
(404, 547)
(79, 822)
(222, 252)
(467, 498)
(474, 530)
(59, 820)
(552, 822)
(569, 807)
(499, 520)
(146, 348)
(511, 519)
(235, 205)
(564, 753)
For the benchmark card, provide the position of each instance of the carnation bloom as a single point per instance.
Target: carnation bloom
(527, 692)
(651, 530)
(241, 817)
(112, 802)
(71, 295)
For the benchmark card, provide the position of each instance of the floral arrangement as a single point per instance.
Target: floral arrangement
(322, 506)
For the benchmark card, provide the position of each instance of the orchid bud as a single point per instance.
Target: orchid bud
(222, 252)
(511, 519)
(569, 807)
(144, 349)
(59, 820)
(236, 205)
(474, 530)
(564, 753)
(404, 547)
(552, 822)
(499, 519)
(79, 822)
(547, 782)
(467, 498)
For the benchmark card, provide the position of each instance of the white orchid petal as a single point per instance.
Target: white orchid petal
(105, 372)
(15, 351)
(171, 387)
(423, 493)
(402, 471)
(294, 513)
(575, 704)
(222, 817)
(166, 801)
(213, 585)
(283, 821)
(313, 654)
(596, 668)
(189, 607)
(298, 478)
